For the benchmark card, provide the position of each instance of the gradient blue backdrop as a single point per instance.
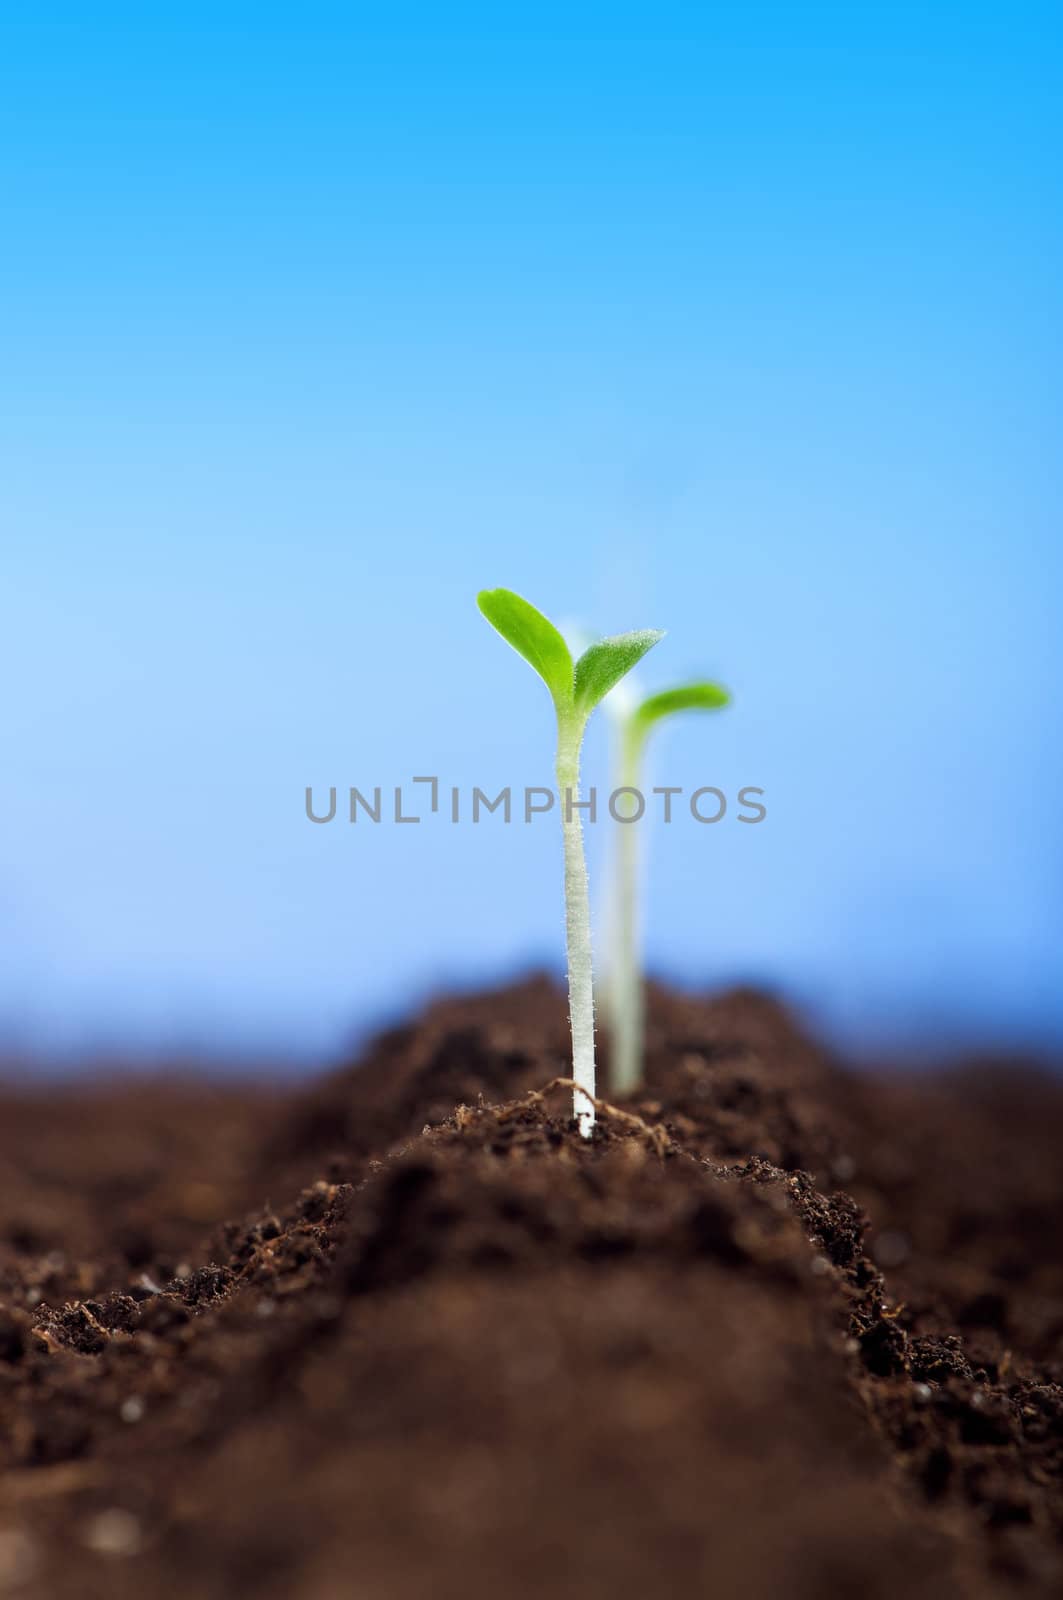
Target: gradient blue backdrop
(738, 320)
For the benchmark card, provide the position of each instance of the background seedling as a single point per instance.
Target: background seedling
(576, 688)
(625, 998)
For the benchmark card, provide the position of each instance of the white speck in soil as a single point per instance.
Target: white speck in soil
(113, 1533)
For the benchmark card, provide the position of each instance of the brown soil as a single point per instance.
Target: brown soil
(449, 1349)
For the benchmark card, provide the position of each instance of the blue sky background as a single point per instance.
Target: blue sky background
(742, 321)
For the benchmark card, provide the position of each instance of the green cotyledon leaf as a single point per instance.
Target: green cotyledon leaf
(700, 696)
(534, 637)
(601, 666)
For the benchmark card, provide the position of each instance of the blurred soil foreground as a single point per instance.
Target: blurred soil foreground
(780, 1329)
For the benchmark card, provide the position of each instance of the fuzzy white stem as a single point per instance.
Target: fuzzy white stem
(577, 925)
(625, 979)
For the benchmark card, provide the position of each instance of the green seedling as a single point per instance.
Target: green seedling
(576, 688)
(625, 993)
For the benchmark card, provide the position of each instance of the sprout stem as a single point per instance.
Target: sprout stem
(626, 994)
(577, 924)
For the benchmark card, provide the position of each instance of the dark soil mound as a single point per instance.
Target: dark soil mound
(779, 1330)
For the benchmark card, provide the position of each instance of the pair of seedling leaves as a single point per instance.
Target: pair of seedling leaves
(577, 687)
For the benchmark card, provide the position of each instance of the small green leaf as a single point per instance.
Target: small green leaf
(533, 636)
(689, 697)
(603, 665)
